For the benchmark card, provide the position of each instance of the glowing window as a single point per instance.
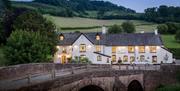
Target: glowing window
(153, 49)
(142, 49)
(154, 59)
(113, 49)
(131, 49)
(113, 58)
(98, 48)
(61, 37)
(82, 48)
(125, 58)
(97, 37)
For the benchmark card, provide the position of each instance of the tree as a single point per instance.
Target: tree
(33, 21)
(128, 27)
(177, 36)
(162, 28)
(115, 29)
(27, 47)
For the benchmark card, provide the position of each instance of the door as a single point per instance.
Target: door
(63, 59)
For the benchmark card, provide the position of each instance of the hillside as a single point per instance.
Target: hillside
(72, 24)
(80, 8)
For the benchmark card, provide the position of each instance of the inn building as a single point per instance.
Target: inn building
(104, 48)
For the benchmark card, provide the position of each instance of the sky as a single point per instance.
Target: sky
(140, 5)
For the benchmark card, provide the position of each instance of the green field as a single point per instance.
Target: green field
(170, 42)
(2, 58)
(94, 25)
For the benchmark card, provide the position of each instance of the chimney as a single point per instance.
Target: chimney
(104, 29)
(156, 32)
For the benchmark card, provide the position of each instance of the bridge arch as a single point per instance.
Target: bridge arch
(135, 85)
(91, 88)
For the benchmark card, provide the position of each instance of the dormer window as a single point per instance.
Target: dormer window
(61, 37)
(97, 36)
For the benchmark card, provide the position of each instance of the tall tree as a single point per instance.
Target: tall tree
(128, 27)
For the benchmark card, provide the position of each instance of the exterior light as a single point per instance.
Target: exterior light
(147, 47)
(57, 47)
(89, 46)
(70, 46)
(158, 47)
(59, 56)
(61, 37)
(136, 47)
(76, 46)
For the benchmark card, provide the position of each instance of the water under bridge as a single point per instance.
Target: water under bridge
(82, 77)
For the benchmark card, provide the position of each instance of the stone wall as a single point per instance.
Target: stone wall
(16, 71)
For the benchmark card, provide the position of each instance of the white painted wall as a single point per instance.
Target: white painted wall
(107, 50)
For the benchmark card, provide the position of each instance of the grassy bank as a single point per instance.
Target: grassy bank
(2, 58)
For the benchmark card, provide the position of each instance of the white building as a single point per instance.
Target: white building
(102, 48)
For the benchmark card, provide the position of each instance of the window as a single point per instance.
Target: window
(98, 48)
(99, 58)
(97, 37)
(113, 49)
(142, 58)
(61, 37)
(153, 49)
(125, 58)
(132, 59)
(113, 58)
(131, 49)
(141, 49)
(154, 59)
(82, 48)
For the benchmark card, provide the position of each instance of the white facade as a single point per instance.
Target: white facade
(106, 54)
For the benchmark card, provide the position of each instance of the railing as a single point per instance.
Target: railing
(71, 70)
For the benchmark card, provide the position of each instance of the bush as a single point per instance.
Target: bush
(79, 60)
(177, 36)
(27, 47)
(175, 87)
(162, 28)
(128, 27)
(115, 29)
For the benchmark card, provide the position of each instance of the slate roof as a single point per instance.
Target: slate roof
(133, 39)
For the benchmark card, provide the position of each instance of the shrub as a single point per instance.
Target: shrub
(162, 28)
(115, 29)
(27, 47)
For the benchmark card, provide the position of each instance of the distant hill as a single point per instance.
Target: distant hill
(80, 8)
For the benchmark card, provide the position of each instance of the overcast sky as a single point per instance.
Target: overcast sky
(140, 5)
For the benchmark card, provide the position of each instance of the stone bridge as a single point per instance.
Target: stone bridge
(86, 77)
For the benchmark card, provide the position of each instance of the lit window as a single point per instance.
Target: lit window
(113, 49)
(152, 49)
(61, 37)
(97, 36)
(142, 58)
(142, 49)
(64, 50)
(82, 48)
(154, 59)
(99, 58)
(125, 58)
(113, 58)
(98, 48)
(131, 49)
(132, 59)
